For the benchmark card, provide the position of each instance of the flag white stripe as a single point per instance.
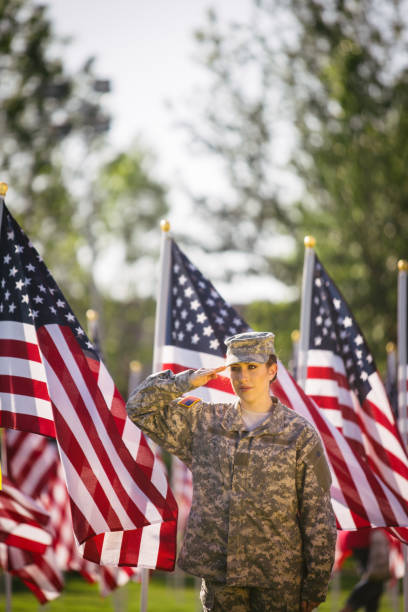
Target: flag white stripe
(328, 388)
(16, 366)
(190, 359)
(326, 359)
(334, 416)
(378, 396)
(111, 546)
(149, 546)
(106, 384)
(27, 532)
(14, 330)
(158, 478)
(26, 405)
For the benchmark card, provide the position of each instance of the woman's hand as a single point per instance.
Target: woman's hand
(201, 376)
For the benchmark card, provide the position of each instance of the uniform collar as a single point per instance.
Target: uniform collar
(232, 419)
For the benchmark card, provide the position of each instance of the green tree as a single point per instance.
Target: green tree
(330, 79)
(42, 108)
(91, 213)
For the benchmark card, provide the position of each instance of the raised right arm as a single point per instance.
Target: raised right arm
(156, 407)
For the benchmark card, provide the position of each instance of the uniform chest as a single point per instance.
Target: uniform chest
(245, 459)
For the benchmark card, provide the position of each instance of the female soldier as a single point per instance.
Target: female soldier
(261, 530)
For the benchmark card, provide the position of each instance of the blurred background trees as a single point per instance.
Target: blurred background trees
(81, 204)
(307, 111)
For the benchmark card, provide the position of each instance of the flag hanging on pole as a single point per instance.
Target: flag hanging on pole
(197, 321)
(342, 379)
(53, 382)
(403, 349)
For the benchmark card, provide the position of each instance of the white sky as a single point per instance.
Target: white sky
(146, 49)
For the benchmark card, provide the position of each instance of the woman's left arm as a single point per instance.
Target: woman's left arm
(317, 520)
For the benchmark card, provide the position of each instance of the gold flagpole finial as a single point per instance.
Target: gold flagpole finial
(390, 347)
(135, 366)
(403, 265)
(165, 225)
(295, 335)
(309, 242)
(92, 315)
(3, 189)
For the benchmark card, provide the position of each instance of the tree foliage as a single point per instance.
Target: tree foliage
(76, 198)
(333, 77)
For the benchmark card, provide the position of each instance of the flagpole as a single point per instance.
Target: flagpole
(7, 575)
(162, 294)
(402, 383)
(159, 341)
(305, 309)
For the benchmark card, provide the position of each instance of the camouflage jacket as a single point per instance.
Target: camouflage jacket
(261, 513)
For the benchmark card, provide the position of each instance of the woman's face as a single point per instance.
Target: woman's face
(251, 381)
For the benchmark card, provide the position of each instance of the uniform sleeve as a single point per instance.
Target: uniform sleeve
(316, 518)
(168, 421)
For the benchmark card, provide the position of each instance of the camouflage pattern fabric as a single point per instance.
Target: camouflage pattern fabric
(261, 514)
(219, 598)
(250, 347)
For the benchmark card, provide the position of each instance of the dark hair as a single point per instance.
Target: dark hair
(272, 359)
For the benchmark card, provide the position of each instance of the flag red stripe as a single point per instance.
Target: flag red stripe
(27, 422)
(25, 543)
(20, 385)
(327, 373)
(20, 349)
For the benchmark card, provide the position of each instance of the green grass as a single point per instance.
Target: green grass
(163, 596)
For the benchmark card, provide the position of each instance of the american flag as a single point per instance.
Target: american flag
(343, 381)
(53, 382)
(198, 321)
(26, 536)
(24, 524)
(38, 572)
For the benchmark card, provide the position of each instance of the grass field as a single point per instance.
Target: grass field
(80, 596)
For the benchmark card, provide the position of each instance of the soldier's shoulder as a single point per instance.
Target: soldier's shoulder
(298, 422)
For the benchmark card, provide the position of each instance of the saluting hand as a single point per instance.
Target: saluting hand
(203, 375)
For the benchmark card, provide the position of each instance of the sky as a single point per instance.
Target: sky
(147, 51)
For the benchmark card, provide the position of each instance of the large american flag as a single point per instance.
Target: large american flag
(198, 321)
(343, 381)
(53, 382)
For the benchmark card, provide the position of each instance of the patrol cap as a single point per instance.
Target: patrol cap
(250, 347)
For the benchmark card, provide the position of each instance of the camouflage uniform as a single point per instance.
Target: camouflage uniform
(261, 514)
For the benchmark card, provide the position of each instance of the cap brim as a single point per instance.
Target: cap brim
(233, 359)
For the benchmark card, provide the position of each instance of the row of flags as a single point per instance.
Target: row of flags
(344, 397)
(122, 512)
